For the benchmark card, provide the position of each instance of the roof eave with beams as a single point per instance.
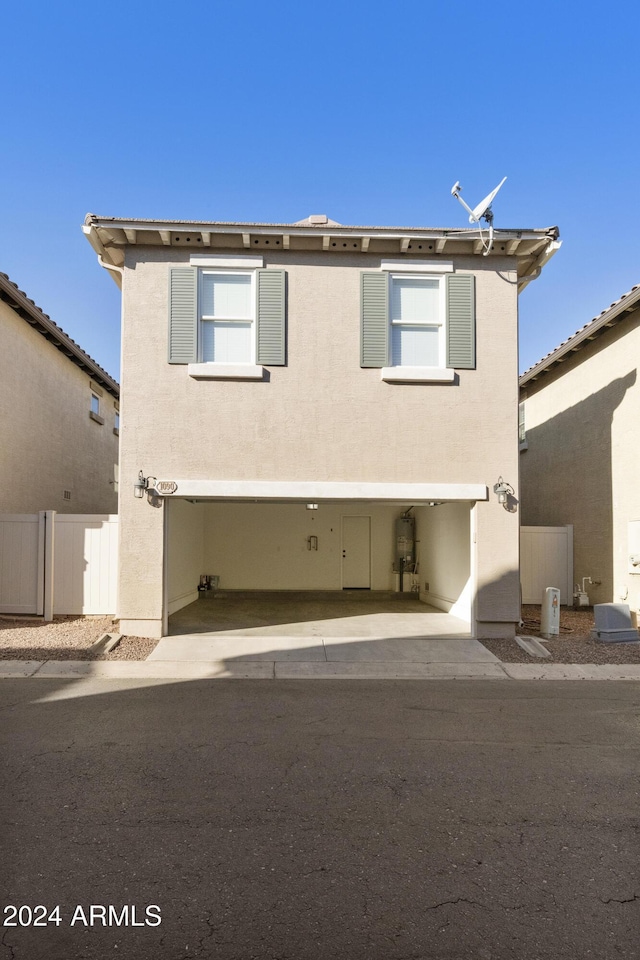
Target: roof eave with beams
(110, 236)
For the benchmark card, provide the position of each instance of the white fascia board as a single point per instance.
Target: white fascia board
(94, 239)
(311, 491)
(215, 260)
(336, 229)
(417, 266)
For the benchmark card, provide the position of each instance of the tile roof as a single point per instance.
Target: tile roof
(17, 299)
(606, 318)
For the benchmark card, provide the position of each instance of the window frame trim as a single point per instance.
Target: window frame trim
(250, 271)
(423, 274)
(95, 414)
(522, 426)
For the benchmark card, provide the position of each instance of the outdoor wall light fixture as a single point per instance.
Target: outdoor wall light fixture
(142, 483)
(504, 491)
(312, 506)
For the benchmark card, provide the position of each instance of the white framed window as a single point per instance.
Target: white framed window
(94, 408)
(417, 322)
(522, 427)
(417, 308)
(227, 317)
(227, 312)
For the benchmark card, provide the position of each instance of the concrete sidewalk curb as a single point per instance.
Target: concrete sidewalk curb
(19, 668)
(269, 670)
(572, 671)
(386, 670)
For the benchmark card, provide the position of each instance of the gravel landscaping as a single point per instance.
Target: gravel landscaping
(71, 638)
(572, 646)
(66, 638)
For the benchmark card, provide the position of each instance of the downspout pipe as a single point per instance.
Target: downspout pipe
(549, 251)
(92, 236)
(110, 266)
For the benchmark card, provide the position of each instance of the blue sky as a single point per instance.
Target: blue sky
(368, 112)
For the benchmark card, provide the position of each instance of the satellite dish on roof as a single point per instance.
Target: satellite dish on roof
(482, 211)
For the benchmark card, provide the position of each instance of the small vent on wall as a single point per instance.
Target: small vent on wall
(66, 494)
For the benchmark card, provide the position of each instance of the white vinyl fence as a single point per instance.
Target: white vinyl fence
(58, 563)
(546, 560)
(21, 563)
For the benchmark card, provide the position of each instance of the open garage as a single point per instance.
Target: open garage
(320, 567)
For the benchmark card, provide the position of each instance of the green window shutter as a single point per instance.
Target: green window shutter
(374, 326)
(271, 313)
(183, 315)
(461, 321)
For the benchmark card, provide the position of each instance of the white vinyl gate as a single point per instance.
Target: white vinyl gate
(85, 558)
(21, 563)
(58, 563)
(546, 560)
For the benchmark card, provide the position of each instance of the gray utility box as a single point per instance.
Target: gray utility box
(613, 623)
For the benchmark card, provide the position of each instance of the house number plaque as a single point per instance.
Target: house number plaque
(166, 486)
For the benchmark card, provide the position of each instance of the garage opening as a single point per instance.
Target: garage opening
(350, 566)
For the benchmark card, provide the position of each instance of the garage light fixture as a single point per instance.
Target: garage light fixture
(142, 483)
(312, 506)
(504, 491)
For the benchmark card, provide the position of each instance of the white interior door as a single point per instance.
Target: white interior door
(356, 553)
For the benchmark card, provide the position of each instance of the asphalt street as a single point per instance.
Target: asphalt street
(311, 820)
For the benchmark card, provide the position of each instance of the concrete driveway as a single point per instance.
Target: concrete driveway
(322, 635)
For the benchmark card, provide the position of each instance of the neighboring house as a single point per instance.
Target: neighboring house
(580, 448)
(290, 390)
(59, 417)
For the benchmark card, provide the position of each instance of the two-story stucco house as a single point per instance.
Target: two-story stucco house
(580, 460)
(59, 417)
(291, 391)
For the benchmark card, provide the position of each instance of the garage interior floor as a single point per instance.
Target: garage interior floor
(315, 627)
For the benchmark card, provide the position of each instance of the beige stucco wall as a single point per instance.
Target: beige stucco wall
(321, 417)
(444, 538)
(48, 443)
(582, 465)
(185, 554)
(255, 546)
